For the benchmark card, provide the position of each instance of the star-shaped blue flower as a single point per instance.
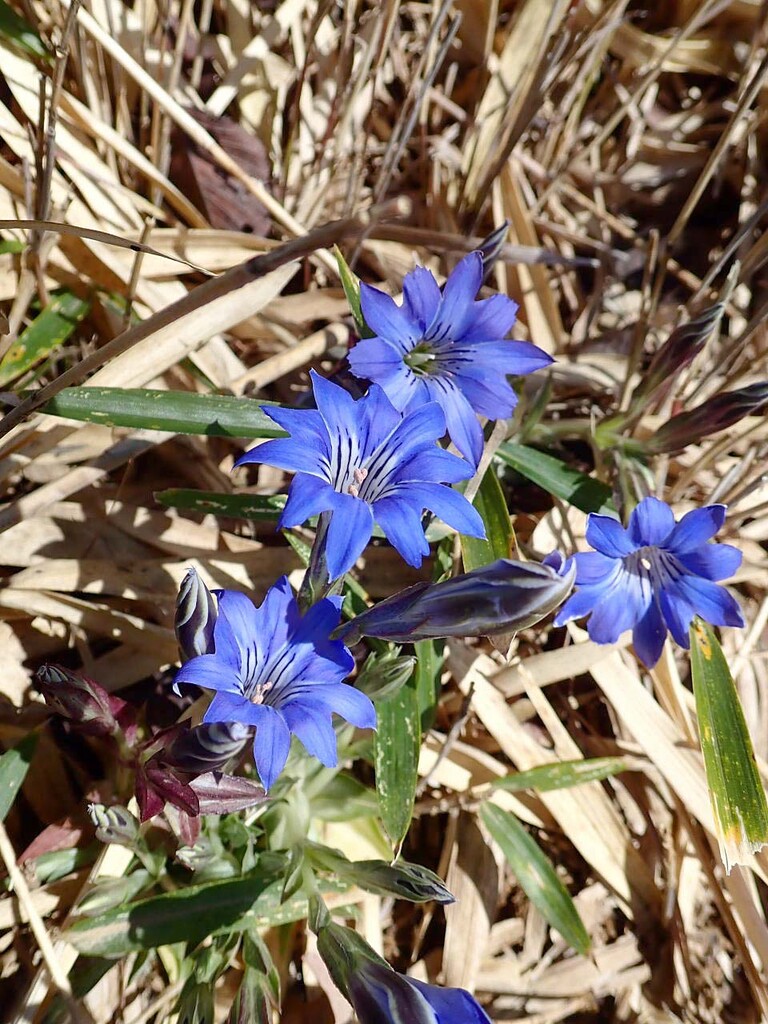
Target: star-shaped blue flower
(363, 461)
(278, 670)
(654, 576)
(444, 347)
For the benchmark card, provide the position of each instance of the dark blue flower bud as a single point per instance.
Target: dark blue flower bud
(195, 617)
(709, 418)
(380, 995)
(84, 702)
(502, 597)
(677, 352)
(206, 747)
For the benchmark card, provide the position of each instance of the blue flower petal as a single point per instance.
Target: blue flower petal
(340, 412)
(314, 730)
(295, 455)
(651, 522)
(401, 523)
(457, 308)
(307, 496)
(349, 531)
(422, 297)
(235, 629)
(209, 671)
(624, 603)
(451, 506)
(463, 426)
(582, 603)
(386, 319)
(341, 699)
(695, 529)
(379, 360)
(271, 745)
(649, 635)
(491, 318)
(451, 1005)
(594, 567)
(492, 397)
(713, 561)
(712, 602)
(515, 358)
(433, 464)
(276, 619)
(608, 536)
(677, 612)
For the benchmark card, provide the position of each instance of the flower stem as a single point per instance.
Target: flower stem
(317, 583)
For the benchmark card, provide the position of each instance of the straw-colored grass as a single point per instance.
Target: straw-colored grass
(625, 144)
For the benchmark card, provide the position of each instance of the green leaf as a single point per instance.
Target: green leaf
(556, 478)
(351, 287)
(14, 765)
(263, 508)
(19, 32)
(396, 758)
(562, 774)
(11, 245)
(180, 412)
(429, 665)
(735, 789)
(536, 876)
(47, 331)
(492, 506)
(343, 799)
(185, 915)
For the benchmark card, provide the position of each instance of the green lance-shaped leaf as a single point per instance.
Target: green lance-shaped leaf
(396, 756)
(562, 774)
(351, 287)
(47, 332)
(492, 506)
(257, 507)
(179, 412)
(14, 765)
(735, 789)
(557, 479)
(536, 876)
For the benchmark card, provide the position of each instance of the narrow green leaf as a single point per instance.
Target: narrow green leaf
(351, 287)
(19, 32)
(429, 665)
(735, 789)
(536, 876)
(14, 765)
(262, 508)
(11, 245)
(343, 799)
(47, 331)
(556, 478)
(180, 412)
(492, 506)
(562, 774)
(396, 757)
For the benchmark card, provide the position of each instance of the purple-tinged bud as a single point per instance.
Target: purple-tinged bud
(502, 597)
(195, 617)
(708, 418)
(83, 701)
(384, 673)
(380, 995)
(156, 785)
(207, 747)
(677, 352)
(491, 246)
(114, 824)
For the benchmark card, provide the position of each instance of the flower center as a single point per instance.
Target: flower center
(422, 359)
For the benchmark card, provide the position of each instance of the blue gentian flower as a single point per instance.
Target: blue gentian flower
(381, 996)
(278, 671)
(444, 347)
(654, 576)
(364, 461)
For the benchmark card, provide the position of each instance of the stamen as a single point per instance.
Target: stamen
(354, 491)
(260, 691)
(360, 475)
(646, 563)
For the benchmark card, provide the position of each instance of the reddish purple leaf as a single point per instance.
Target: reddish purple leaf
(220, 794)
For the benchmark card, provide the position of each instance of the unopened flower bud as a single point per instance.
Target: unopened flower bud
(384, 674)
(502, 597)
(195, 617)
(402, 880)
(709, 418)
(206, 747)
(114, 824)
(678, 351)
(82, 700)
(491, 246)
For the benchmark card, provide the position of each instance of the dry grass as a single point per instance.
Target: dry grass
(625, 143)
